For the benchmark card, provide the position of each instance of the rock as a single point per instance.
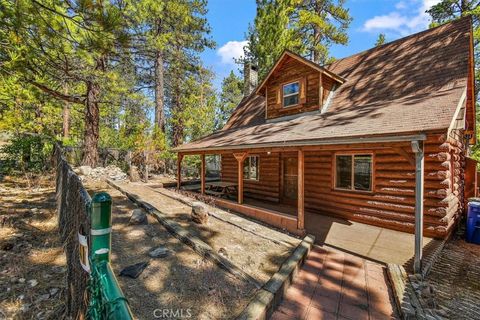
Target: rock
(53, 291)
(32, 282)
(199, 213)
(159, 252)
(223, 252)
(133, 174)
(21, 280)
(85, 170)
(138, 216)
(134, 271)
(43, 297)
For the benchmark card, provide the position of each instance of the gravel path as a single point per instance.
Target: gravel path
(456, 279)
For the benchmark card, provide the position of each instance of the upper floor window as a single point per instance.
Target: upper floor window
(353, 172)
(250, 168)
(291, 94)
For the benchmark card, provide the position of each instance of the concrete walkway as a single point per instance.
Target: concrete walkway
(366, 241)
(337, 285)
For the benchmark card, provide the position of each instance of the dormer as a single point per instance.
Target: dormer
(295, 86)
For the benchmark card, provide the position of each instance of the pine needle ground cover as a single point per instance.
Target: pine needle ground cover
(183, 280)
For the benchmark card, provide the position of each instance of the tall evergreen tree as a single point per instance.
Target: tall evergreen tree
(230, 97)
(67, 43)
(307, 27)
(319, 24)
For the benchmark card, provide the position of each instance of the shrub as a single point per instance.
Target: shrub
(26, 153)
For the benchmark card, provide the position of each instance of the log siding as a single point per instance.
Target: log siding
(391, 203)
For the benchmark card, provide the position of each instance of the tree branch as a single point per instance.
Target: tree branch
(59, 95)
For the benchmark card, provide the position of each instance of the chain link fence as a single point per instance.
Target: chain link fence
(72, 201)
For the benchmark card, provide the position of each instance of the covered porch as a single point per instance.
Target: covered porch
(278, 195)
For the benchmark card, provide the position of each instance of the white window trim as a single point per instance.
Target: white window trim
(290, 94)
(352, 188)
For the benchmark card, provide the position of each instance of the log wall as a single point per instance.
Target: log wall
(391, 203)
(267, 187)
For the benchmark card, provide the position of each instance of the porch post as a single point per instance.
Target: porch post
(179, 170)
(202, 174)
(240, 158)
(417, 147)
(301, 193)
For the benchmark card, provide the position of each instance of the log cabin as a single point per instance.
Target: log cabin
(380, 137)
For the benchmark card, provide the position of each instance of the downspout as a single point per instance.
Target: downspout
(417, 148)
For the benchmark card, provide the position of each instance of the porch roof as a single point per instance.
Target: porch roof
(412, 85)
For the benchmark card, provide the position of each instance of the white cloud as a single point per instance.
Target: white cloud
(231, 50)
(409, 17)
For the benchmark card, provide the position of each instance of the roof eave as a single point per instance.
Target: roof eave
(318, 142)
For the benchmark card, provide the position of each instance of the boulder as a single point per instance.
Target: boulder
(199, 213)
(138, 217)
(159, 252)
(85, 170)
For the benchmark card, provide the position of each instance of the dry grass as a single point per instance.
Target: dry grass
(30, 250)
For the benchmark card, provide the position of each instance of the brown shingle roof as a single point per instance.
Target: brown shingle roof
(413, 84)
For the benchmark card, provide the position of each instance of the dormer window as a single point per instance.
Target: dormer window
(291, 92)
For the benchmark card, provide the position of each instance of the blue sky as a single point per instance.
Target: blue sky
(229, 20)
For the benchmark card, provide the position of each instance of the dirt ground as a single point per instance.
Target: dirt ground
(32, 263)
(182, 282)
(456, 279)
(257, 256)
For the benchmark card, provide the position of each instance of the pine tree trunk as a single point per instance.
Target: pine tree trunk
(66, 115)
(159, 102)
(177, 130)
(92, 119)
(66, 120)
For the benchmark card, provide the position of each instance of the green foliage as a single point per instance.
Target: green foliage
(380, 40)
(26, 153)
(306, 27)
(230, 97)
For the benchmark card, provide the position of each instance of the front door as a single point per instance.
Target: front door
(290, 179)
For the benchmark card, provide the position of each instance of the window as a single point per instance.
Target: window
(354, 172)
(291, 94)
(250, 168)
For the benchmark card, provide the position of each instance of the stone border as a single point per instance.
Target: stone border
(265, 301)
(406, 299)
(192, 241)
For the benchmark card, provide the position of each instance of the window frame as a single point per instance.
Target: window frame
(291, 94)
(249, 165)
(352, 155)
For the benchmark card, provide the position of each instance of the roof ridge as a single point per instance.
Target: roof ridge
(406, 38)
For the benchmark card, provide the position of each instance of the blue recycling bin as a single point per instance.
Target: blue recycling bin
(473, 221)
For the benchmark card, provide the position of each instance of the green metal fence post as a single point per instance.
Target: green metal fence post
(113, 304)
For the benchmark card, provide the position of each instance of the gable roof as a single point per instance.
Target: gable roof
(297, 57)
(411, 85)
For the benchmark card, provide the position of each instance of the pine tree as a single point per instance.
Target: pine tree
(67, 44)
(307, 27)
(270, 34)
(230, 97)
(380, 40)
(319, 24)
